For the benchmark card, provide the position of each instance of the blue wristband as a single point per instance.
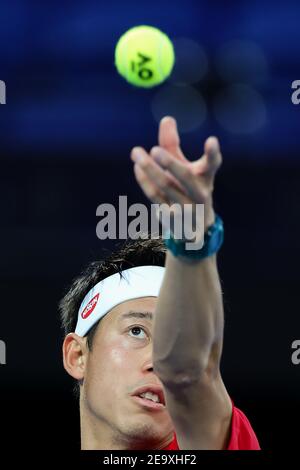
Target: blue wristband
(213, 239)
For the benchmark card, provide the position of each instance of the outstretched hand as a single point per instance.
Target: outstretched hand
(166, 176)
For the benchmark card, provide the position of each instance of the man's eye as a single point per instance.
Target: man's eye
(137, 332)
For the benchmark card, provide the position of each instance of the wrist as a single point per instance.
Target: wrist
(201, 247)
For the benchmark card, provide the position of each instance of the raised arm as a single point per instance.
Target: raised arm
(188, 327)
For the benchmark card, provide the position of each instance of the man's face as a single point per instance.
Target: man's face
(119, 367)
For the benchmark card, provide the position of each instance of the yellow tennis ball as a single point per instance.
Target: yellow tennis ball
(144, 56)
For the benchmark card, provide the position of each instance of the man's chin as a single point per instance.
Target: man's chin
(143, 435)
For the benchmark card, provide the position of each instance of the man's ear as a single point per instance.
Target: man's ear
(74, 355)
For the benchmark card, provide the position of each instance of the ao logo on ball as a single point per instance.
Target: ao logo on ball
(139, 67)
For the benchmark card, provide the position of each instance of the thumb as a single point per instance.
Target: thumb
(168, 137)
(211, 160)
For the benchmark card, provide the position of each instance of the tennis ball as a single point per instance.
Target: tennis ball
(144, 56)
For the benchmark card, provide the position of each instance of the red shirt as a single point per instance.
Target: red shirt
(242, 436)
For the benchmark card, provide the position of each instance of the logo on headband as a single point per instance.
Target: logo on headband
(90, 307)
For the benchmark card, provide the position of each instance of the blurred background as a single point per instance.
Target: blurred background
(66, 133)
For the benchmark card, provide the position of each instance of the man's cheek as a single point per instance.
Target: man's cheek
(120, 356)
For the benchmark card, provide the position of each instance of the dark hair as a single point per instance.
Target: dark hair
(140, 252)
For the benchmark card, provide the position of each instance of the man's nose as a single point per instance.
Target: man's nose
(148, 366)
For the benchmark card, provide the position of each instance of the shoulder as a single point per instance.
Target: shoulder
(242, 435)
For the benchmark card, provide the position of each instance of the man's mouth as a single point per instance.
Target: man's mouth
(151, 397)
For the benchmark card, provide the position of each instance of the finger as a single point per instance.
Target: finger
(149, 189)
(210, 161)
(213, 155)
(176, 183)
(139, 151)
(168, 137)
(181, 171)
(158, 176)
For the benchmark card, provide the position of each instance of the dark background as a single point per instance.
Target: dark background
(65, 137)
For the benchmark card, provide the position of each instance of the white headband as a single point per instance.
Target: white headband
(141, 281)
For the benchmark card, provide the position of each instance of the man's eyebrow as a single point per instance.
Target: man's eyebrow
(134, 314)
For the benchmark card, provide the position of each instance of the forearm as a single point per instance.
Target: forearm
(188, 327)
